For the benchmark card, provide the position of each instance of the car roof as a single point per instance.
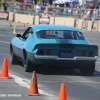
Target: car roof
(53, 27)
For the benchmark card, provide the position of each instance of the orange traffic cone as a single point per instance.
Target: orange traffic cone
(33, 91)
(10, 24)
(62, 94)
(24, 26)
(4, 73)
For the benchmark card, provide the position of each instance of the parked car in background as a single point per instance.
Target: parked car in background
(53, 46)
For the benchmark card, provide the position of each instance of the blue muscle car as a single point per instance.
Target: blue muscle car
(53, 46)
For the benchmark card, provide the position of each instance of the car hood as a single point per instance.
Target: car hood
(68, 41)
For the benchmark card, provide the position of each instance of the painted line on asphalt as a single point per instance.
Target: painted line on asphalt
(4, 54)
(70, 81)
(22, 83)
(5, 42)
(5, 36)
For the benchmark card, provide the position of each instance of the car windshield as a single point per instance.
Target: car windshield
(60, 34)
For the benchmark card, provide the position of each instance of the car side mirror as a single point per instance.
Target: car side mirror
(18, 35)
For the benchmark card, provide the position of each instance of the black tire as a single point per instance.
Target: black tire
(27, 64)
(14, 60)
(87, 70)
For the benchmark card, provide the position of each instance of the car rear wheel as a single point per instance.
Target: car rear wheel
(14, 60)
(87, 70)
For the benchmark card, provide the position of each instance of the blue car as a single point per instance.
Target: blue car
(53, 46)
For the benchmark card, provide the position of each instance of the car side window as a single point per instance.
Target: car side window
(80, 36)
(27, 33)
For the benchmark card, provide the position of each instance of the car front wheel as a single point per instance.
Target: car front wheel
(87, 70)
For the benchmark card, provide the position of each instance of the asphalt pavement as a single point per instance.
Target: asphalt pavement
(77, 87)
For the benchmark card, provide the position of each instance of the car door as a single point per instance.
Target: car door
(22, 42)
